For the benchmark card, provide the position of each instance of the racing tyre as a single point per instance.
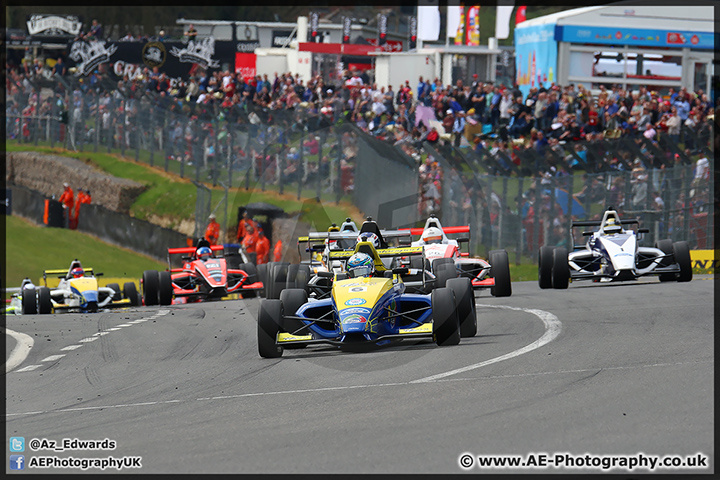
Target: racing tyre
(465, 298)
(292, 299)
(443, 273)
(561, 269)
(262, 270)
(421, 263)
(130, 292)
(297, 276)
(440, 261)
(29, 301)
(681, 250)
(151, 287)
(165, 288)
(44, 301)
(277, 277)
(116, 288)
(446, 324)
(233, 260)
(500, 271)
(269, 324)
(666, 245)
(545, 264)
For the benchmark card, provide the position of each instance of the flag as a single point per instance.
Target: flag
(460, 34)
(502, 21)
(473, 26)
(428, 20)
(453, 19)
(520, 14)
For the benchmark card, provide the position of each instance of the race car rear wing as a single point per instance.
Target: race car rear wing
(61, 273)
(446, 230)
(597, 223)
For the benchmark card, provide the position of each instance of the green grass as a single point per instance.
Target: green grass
(30, 249)
(169, 196)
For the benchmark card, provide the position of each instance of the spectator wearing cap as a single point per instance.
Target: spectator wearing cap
(212, 232)
(458, 128)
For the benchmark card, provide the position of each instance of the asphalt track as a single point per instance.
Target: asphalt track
(614, 369)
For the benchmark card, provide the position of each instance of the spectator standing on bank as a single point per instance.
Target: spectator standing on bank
(212, 232)
(249, 243)
(191, 33)
(245, 220)
(277, 251)
(68, 200)
(83, 196)
(262, 248)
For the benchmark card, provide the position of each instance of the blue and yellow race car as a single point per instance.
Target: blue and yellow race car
(367, 311)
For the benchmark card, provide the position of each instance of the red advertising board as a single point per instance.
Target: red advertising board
(390, 45)
(245, 65)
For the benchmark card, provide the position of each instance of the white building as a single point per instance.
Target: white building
(629, 43)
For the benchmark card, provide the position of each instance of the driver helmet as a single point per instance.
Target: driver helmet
(360, 265)
(77, 272)
(432, 235)
(204, 253)
(332, 244)
(369, 237)
(611, 226)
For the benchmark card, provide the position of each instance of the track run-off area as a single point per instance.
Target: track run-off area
(594, 372)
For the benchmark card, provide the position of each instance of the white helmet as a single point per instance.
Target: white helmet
(369, 237)
(432, 235)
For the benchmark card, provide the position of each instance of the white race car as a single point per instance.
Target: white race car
(440, 250)
(612, 254)
(77, 291)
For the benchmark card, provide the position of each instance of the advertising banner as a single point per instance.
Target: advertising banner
(245, 64)
(472, 37)
(536, 57)
(636, 36)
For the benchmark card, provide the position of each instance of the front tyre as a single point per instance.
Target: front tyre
(269, 325)
(560, 269)
(545, 264)
(681, 251)
(151, 287)
(165, 288)
(130, 292)
(465, 298)
(44, 301)
(500, 271)
(29, 301)
(446, 324)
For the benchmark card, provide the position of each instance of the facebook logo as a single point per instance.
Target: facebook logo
(17, 444)
(17, 462)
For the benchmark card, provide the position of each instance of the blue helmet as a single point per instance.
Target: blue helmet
(204, 253)
(360, 265)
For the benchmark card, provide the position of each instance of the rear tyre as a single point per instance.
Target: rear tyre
(165, 288)
(44, 301)
(277, 277)
(560, 269)
(545, 264)
(130, 292)
(29, 301)
(666, 245)
(681, 251)
(500, 271)
(465, 298)
(443, 273)
(446, 325)
(262, 270)
(116, 288)
(252, 277)
(151, 287)
(269, 324)
(292, 299)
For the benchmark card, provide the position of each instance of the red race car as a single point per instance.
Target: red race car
(441, 250)
(204, 276)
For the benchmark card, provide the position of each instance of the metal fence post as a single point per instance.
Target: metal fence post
(151, 135)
